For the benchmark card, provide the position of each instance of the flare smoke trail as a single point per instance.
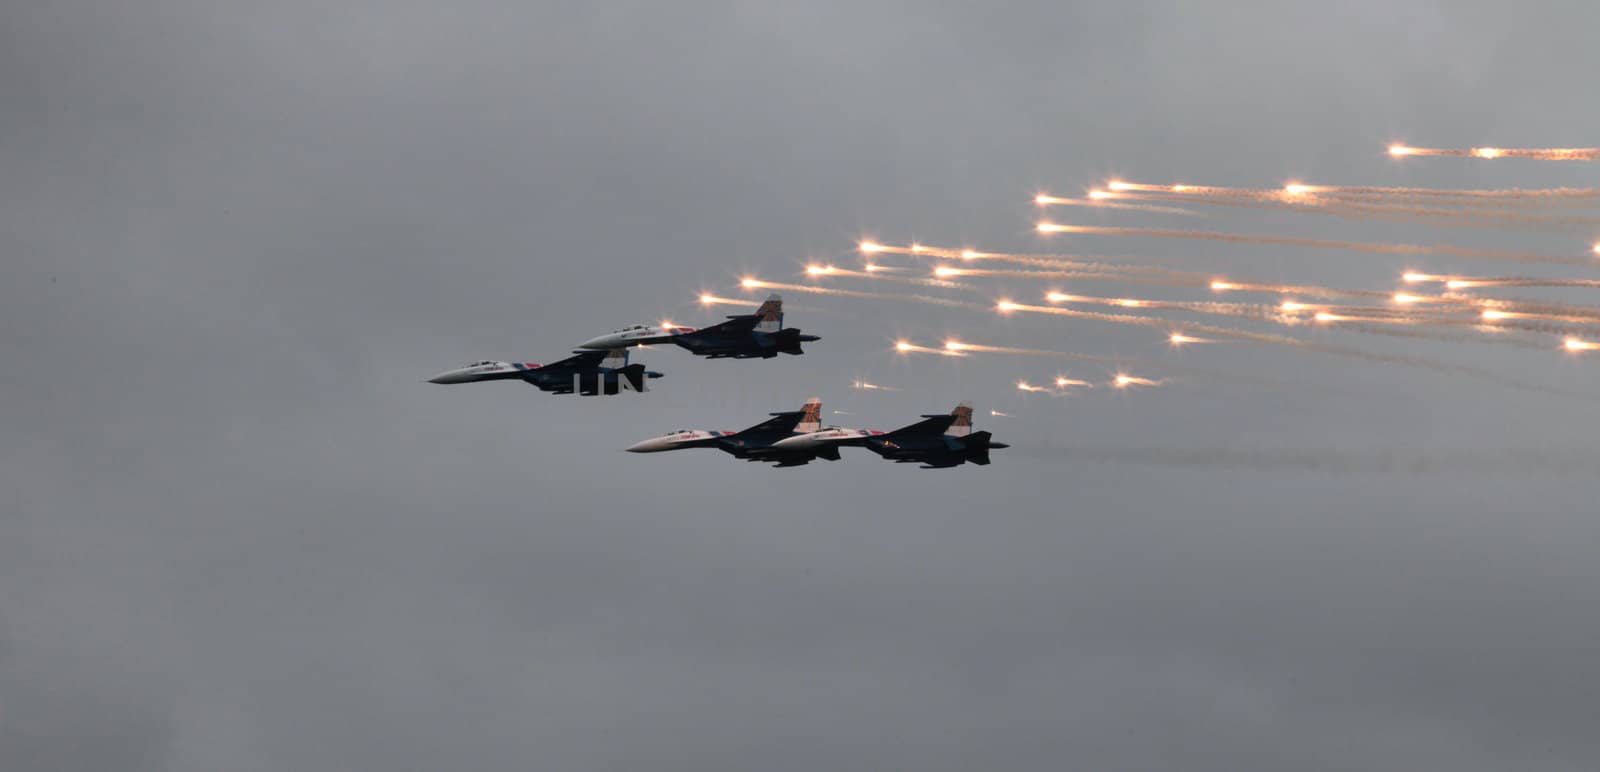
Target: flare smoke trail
(1123, 381)
(1534, 309)
(818, 271)
(1178, 280)
(1553, 197)
(1536, 153)
(1063, 382)
(1238, 310)
(1064, 262)
(873, 247)
(907, 347)
(1374, 327)
(1469, 214)
(1362, 319)
(1561, 312)
(1032, 389)
(1158, 276)
(1469, 282)
(1083, 263)
(1496, 315)
(865, 386)
(1567, 312)
(1473, 217)
(1495, 320)
(1579, 196)
(1283, 340)
(1191, 280)
(751, 283)
(713, 300)
(1308, 290)
(1356, 246)
(1121, 362)
(1062, 388)
(963, 348)
(1098, 202)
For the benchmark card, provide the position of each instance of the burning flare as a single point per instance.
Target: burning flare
(865, 386)
(707, 299)
(1123, 381)
(907, 347)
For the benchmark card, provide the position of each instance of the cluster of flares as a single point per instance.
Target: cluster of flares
(1449, 307)
(1063, 386)
(1503, 209)
(1448, 250)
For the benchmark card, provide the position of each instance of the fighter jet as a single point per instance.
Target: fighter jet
(757, 443)
(586, 372)
(743, 336)
(936, 442)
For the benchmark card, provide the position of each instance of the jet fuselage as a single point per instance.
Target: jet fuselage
(582, 374)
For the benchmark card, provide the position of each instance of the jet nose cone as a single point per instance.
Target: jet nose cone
(603, 341)
(449, 377)
(644, 446)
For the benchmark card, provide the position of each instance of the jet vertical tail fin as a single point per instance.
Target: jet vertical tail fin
(962, 425)
(769, 317)
(811, 417)
(615, 359)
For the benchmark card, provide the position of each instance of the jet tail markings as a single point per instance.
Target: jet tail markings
(961, 426)
(770, 315)
(810, 417)
(615, 359)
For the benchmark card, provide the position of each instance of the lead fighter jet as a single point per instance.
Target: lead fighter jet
(757, 443)
(588, 373)
(936, 442)
(744, 336)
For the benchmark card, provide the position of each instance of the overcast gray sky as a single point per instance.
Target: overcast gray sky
(238, 531)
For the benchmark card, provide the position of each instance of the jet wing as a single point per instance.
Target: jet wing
(779, 423)
(735, 324)
(929, 425)
(580, 359)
